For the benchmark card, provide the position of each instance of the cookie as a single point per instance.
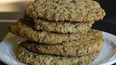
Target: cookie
(66, 10)
(86, 45)
(62, 27)
(26, 30)
(32, 58)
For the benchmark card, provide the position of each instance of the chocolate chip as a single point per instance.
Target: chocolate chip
(42, 28)
(57, 1)
(55, 7)
(73, 1)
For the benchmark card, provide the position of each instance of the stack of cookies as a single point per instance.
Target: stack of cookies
(58, 32)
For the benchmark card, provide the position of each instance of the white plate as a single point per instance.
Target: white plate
(106, 57)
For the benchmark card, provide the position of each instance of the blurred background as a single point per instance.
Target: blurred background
(14, 9)
(110, 8)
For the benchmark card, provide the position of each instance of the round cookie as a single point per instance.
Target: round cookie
(66, 10)
(25, 30)
(32, 58)
(62, 27)
(87, 44)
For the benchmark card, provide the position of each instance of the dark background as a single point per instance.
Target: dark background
(110, 8)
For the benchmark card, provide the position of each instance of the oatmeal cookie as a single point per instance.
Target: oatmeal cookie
(32, 58)
(62, 27)
(26, 30)
(65, 10)
(85, 45)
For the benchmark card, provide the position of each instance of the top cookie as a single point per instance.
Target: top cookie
(65, 10)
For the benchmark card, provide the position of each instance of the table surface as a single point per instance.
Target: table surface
(101, 25)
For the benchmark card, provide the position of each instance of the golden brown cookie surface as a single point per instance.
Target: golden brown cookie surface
(40, 59)
(26, 30)
(66, 10)
(87, 44)
(62, 27)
